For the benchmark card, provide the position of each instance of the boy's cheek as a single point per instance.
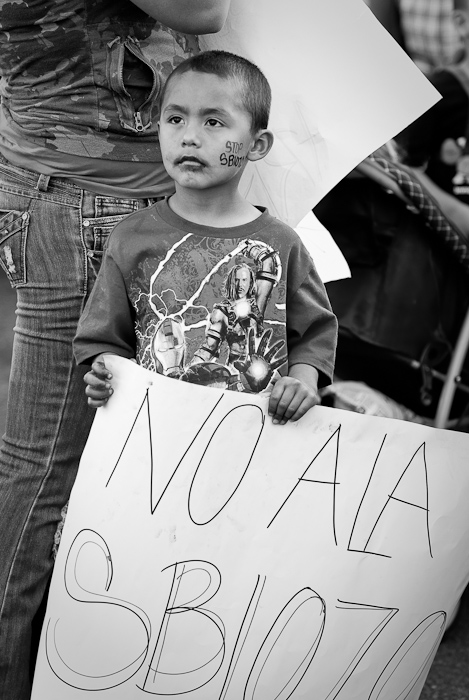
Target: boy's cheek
(166, 157)
(233, 155)
(231, 160)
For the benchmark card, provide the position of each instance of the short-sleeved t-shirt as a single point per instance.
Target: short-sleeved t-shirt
(209, 305)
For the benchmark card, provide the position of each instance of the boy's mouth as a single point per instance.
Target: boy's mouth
(189, 160)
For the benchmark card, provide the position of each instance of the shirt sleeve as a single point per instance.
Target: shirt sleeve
(107, 323)
(311, 323)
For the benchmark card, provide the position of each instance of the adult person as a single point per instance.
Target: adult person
(78, 152)
(423, 28)
(436, 142)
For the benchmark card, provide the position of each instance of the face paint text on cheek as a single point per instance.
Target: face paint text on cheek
(229, 158)
(233, 146)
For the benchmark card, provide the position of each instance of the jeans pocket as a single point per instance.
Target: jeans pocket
(97, 232)
(100, 238)
(96, 235)
(13, 234)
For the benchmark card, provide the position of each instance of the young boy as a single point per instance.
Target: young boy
(204, 286)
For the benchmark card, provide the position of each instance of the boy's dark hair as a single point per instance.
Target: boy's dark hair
(253, 85)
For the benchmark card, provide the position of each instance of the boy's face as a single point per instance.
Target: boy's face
(205, 131)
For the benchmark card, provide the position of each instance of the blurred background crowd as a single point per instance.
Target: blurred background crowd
(402, 221)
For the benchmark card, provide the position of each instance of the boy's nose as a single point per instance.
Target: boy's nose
(190, 136)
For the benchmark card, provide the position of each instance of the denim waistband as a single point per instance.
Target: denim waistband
(60, 187)
(38, 181)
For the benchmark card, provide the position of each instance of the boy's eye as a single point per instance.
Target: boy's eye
(174, 119)
(214, 122)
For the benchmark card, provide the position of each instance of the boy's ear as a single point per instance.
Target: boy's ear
(261, 145)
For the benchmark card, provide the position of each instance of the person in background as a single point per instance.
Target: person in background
(215, 105)
(80, 81)
(424, 29)
(437, 141)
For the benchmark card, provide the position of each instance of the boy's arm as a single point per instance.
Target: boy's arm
(311, 329)
(107, 322)
(312, 340)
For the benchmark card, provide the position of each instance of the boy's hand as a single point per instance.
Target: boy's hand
(98, 387)
(294, 395)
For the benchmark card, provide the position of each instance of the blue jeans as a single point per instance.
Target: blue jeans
(51, 240)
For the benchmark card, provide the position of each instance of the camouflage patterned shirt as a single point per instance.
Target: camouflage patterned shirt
(82, 77)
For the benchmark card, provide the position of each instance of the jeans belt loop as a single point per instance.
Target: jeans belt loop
(42, 183)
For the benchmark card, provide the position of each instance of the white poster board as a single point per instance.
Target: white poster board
(209, 554)
(341, 88)
(328, 258)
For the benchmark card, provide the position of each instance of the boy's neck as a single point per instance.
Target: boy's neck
(220, 210)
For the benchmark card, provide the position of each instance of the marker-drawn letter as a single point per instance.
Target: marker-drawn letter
(242, 635)
(288, 649)
(410, 491)
(179, 663)
(97, 620)
(330, 452)
(162, 476)
(224, 463)
(412, 660)
(370, 631)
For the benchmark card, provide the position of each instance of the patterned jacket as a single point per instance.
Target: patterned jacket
(62, 68)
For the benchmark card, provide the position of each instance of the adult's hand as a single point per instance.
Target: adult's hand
(188, 16)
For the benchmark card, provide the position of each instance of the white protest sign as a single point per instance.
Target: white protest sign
(328, 258)
(341, 87)
(208, 554)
